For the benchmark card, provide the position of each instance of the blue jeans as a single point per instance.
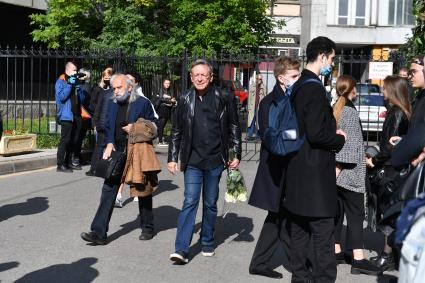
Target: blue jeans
(194, 180)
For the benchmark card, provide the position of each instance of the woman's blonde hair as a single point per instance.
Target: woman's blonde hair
(397, 93)
(344, 86)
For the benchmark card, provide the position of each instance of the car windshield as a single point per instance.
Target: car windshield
(371, 100)
(362, 88)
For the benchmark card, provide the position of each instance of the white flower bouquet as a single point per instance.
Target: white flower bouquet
(236, 188)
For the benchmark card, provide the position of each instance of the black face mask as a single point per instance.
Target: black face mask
(106, 82)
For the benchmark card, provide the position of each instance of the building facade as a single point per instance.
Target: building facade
(374, 27)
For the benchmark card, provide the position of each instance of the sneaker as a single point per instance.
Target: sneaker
(208, 251)
(135, 199)
(179, 258)
(162, 144)
(118, 203)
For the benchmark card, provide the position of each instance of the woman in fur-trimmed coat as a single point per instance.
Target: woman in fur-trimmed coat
(351, 174)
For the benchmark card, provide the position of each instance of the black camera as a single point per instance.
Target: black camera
(79, 75)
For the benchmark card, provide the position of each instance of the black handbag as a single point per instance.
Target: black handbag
(113, 167)
(407, 185)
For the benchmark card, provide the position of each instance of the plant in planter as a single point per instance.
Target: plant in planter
(17, 141)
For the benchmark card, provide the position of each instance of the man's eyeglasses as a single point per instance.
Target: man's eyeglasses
(413, 72)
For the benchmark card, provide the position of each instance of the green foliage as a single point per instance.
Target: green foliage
(416, 44)
(153, 27)
(48, 140)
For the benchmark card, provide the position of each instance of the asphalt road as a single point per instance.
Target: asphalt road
(42, 214)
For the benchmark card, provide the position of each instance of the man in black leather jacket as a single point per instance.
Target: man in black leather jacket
(205, 128)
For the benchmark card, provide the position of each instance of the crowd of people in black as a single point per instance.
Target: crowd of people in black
(307, 193)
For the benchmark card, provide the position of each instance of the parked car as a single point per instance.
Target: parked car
(370, 104)
(237, 89)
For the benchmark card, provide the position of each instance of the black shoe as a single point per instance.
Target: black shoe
(64, 169)
(93, 238)
(384, 261)
(144, 236)
(266, 272)
(365, 266)
(340, 258)
(90, 173)
(75, 166)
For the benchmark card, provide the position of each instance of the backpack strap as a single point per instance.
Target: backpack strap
(304, 83)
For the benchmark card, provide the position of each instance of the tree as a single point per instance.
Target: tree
(165, 27)
(416, 44)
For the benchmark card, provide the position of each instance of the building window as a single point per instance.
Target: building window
(353, 12)
(343, 12)
(400, 12)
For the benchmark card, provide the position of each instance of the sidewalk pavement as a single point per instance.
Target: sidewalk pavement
(38, 159)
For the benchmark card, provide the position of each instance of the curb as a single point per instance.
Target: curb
(34, 163)
(27, 164)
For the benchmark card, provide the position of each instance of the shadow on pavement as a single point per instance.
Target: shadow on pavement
(165, 217)
(31, 206)
(79, 271)
(165, 186)
(231, 225)
(8, 265)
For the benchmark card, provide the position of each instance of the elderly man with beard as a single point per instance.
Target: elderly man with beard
(123, 109)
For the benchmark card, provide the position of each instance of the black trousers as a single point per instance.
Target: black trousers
(321, 232)
(97, 151)
(275, 233)
(69, 136)
(352, 205)
(164, 116)
(100, 223)
(64, 149)
(85, 126)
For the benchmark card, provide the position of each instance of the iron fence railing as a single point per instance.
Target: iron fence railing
(27, 78)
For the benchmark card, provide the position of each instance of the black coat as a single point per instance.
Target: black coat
(418, 114)
(395, 124)
(310, 179)
(181, 133)
(267, 191)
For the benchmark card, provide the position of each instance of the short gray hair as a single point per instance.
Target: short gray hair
(202, 62)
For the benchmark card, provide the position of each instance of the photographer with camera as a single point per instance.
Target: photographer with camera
(69, 97)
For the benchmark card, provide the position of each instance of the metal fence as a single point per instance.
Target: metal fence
(27, 78)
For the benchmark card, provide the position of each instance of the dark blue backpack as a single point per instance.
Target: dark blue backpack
(282, 134)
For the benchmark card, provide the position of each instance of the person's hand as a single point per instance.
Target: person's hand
(127, 128)
(338, 170)
(342, 133)
(172, 167)
(108, 150)
(369, 162)
(234, 164)
(393, 140)
(72, 80)
(419, 158)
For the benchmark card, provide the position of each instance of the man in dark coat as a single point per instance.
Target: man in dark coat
(266, 192)
(310, 178)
